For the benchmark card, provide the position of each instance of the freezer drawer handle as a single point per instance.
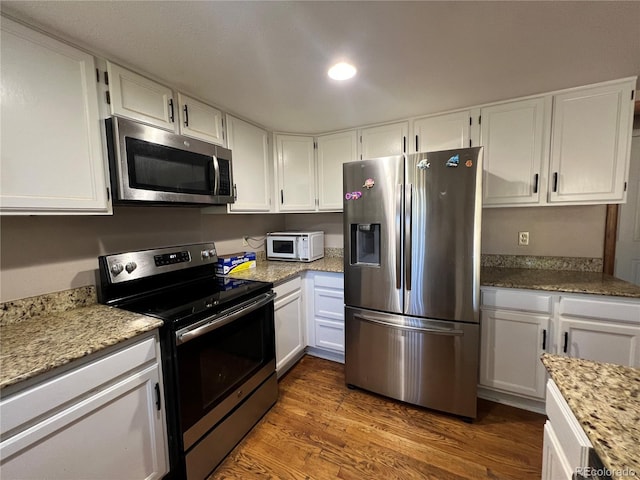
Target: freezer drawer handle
(221, 319)
(436, 331)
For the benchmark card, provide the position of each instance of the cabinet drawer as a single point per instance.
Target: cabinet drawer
(330, 335)
(569, 433)
(287, 287)
(329, 304)
(516, 300)
(604, 309)
(54, 394)
(330, 280)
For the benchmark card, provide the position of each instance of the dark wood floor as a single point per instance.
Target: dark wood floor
(319, 429)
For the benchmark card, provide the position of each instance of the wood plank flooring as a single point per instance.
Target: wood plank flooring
(319, 429)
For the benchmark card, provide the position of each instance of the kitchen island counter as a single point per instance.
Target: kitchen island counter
(604, 398)
(39, 334)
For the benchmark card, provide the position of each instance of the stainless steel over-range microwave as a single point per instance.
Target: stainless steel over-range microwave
(149, 164)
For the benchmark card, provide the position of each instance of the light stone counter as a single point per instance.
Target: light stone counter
(569, 281)
(558, 281)
(278, 271)
(39, 334)
(605, 399)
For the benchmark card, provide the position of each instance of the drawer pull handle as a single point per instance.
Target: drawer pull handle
(158, 404)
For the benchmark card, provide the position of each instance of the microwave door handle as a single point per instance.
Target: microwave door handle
(215, 171)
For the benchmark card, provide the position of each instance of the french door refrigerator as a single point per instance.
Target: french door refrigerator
(412, 277)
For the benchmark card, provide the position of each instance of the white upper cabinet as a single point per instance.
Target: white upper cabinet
(199, 120)
(441, 132)
(136, 97)
(250, 149)
(333, 151)
(514, 140)
(384, 141)
(51, 151)
(139, 98)
(590, 144)
(296, 173)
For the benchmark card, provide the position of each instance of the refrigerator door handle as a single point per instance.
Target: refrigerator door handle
(436, 331)
(408, 199)
(399, 237)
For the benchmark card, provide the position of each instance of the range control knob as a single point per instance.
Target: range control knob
(131, 266)
(116, 269)
(212, 253)
(205, 253)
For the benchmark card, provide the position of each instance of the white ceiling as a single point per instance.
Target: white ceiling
(267, 61)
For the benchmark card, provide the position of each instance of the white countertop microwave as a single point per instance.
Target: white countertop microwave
(295, 246)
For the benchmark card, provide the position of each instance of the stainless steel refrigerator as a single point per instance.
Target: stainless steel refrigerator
(412, 277)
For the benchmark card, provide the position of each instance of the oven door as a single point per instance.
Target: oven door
(284, 247)
(221, 361)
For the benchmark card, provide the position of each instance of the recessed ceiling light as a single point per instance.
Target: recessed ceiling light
(342, 71)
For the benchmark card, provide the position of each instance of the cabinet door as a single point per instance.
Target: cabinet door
(590, 144)
(554, 463)
(442, 132)
(51, 151)
(136, 97)
(511, 345)
(250, 149)
(329, 317)
(609, 342)
(514, 151)
(289, 325)
(296, 173)
(199, 120)
(383, 141)
(116, 433)
(333, 151)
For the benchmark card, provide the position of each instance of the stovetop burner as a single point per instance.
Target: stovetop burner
(176, 284)
(195, 300)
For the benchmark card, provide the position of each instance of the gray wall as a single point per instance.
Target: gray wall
(42, 254)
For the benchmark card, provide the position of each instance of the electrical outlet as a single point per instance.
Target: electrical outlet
(523, 238)
(245, 242)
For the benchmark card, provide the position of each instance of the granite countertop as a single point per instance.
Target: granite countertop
(605, 399)
(568, 281)
(279, 271)
(39, 334)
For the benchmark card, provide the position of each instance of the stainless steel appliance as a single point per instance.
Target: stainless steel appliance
(412, 267)
(149, 164)
(295, 246)
(217, 344)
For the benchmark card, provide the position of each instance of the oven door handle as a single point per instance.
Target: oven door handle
(223, 318)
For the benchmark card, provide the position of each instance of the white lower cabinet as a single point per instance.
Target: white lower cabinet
(289, 324)
(514, 332)
(102, 420)
(325, 311)
(511, 347)
(554, 463)
(566, 447)
(518, 326)
(600, 329)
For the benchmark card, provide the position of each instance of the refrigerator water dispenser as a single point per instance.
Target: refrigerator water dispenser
(365, 244)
